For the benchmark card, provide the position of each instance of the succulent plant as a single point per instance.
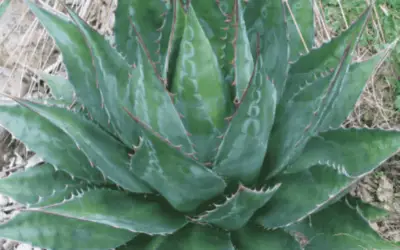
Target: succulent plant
(199, 125)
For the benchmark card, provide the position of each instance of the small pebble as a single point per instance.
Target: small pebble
(3, 200)
(24, 247)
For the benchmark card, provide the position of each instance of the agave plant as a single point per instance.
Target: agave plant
(199, 125)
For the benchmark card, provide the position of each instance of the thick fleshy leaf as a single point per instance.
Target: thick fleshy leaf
(120, 210)
(139, 89)
(213, 19)
(307, 192)
(54, 232)
(328, 55)
(320, 60)
(242, 151)
(37, 184)
(191, 237)
(368, 211)
(300, 18)
(340, 228)
(305, 114)
(77, 59)
(144, 242)
(104, 152)
(349, 150)
(60, 88)
(267, 20)
(254, 237)
(3, 6)
(149, 18)
(353, 86)
(199, 87)
(184, 182)
(242, 60)
(238, 209)
(49, 142)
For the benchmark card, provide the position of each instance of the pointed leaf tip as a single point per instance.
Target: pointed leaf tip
(238, 209)
(103, 151)
(251, 126)
(36, 131)
(184, 182)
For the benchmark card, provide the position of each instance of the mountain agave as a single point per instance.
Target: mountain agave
(199, 125)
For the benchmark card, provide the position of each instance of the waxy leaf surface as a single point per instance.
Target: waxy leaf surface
(199, 87)
(120, 210)
(193, 237)
(77, 59)
(105, 152)
(54, 232)
(38, 184)
(238, 209)
(300, 26)
(266, 20)
(253, 237)
(340, 227)
(184, 182)
(60, 88)
(349, 150)
(49, 141)
(242, 151)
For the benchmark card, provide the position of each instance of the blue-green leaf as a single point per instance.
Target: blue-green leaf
(368, 211)
(349, 150)
(252, 237)
(199, 87)
(338, 159)
(193, 237)
(243, 63)
(54, 232)
(238, 209)
(267, 20)
(119, 210)
(246, 139)
(184, 182)
(353, 86)
(320, 60)
(49, 142)
(300, 20)
(303, 194)
(147, 20)
(217, 26)
(104, 152)
(60, 88)
(38, 184)
(305, 114)
(340, 228)
(77, 59)
(138, 88)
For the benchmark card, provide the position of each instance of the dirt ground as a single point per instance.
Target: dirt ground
(26, 49)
